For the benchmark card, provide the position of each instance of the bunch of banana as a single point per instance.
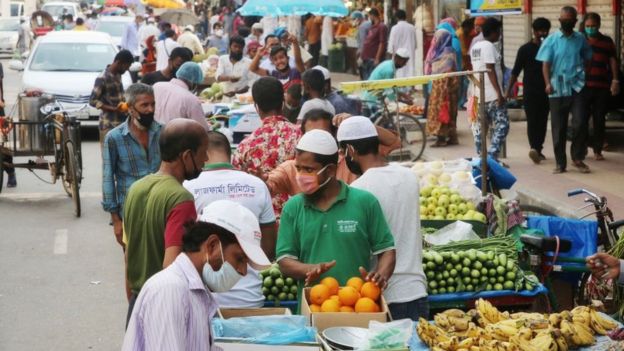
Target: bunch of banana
(576, 334)
(560, 339)
(488, 312)
(431, 334)
(600, 324)
(527, 315)
(544, 341)
(504, 330)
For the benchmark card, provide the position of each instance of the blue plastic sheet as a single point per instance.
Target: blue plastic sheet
(499, 175)
(268, 330)
(582, 233)
(462, 296)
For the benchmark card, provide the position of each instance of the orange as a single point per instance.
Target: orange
(315, 308)
(335, 298)
(370, 290)
(330, 306)
(366, 304)
(346, 309)
(332, 284)
(319, 293)
(348, 296)
(356, 283)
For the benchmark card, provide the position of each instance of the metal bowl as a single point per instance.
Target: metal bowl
(344, 338)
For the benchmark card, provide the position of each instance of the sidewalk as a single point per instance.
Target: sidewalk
(536, 184)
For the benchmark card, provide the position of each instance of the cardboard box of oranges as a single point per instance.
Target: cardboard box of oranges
(353, 305)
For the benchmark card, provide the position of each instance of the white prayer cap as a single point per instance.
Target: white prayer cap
(257, 25)
(318, 142)
(402, 52)
(325, 71)
(356, 128)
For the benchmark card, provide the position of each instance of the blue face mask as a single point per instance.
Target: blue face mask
(592, 32)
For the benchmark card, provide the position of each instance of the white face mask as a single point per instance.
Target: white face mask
(222, 280)
(219, 32)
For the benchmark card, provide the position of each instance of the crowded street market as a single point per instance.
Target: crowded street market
(323, 175)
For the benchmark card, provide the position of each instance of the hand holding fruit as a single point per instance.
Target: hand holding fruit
(374, 277)
(315, 273)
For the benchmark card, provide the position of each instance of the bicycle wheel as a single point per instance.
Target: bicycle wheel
(73, 175)
(412, 134)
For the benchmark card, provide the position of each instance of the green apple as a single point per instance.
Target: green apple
(423, 201)
(469, 214)
(436, 192)
(440, 211)
(423, 210)
(452, 208)
(438, 218)
(478, 216)
(443, 201)
(462, 208)
(444, 178)
(450, 216)
(470, 205)
(431, 209)
(432, 200)
(455, 199)
(426, 191)
(459, 217)
(445, 191)
(424, 217)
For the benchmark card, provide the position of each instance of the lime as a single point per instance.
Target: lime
(290, 281)
(291, 297)
(498, 286)
(475, 273)
(483, 279)
(475, 281)
(279, 282)
(275, 273)
(477, 265)
(266, 291)
(465, 271)
(510, 276)
(466, 280)
(442, 283)
(472, 254)
(490, 255)
(450, 281)
(268, 282)
(511, 265)
(286, 289)
(500, 279)
(437, 258)
(449, 266)
(484, 271)
(445, 274)
(453, 272)
(451, 289)
(466, 262)
(492, 272)
(455, 258)
(488, 287)
(430, 275)
(502, 258)
(481, 256)
(430, 265)
(282, 296)
(446, 255)
(433, 284)
(427, 256)
(275, 290)
(271, 298)
(434, 291)
(442, 290)
(293, 289)
(439, 276)
(492, 280)
(500, 270)
(469, 287)
(508, 285)
(458, 267)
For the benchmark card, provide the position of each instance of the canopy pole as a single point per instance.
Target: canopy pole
(484, 131)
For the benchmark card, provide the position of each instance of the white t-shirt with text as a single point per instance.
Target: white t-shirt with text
(482, 54)
(397, 190)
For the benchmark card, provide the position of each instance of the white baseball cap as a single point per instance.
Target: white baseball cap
(318, 142)
(402, 52)
(241, 222)
(257, 25)
(356, 128)
(325, 71)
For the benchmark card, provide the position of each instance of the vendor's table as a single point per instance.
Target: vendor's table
(466, 300)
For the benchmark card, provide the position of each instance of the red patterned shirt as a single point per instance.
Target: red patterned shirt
(267, 147)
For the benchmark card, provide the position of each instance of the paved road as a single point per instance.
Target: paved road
(61, 277)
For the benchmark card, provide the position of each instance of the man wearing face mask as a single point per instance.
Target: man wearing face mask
(564, 55)
(233, 69)
(395, 187)
(218, 39)
(178, 57)
(175, 99)
(602, 81)
(158, 206)
(331, 229)
(130, 152)
(535, 98)
(176, 305)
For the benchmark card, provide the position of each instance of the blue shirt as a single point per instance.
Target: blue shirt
(126, 161)
(384, 70)
(342, 104)
(362, 33)
(220, 43)
(130, 39)
(567, 56)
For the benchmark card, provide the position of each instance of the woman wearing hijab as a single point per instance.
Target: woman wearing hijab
(442, 104)
(450, 25)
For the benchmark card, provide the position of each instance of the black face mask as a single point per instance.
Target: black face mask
(353, 166)
(145, 119)
(236, 56)
(567, 26)
(192, 174)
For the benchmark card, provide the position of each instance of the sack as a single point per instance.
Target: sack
(268, 330)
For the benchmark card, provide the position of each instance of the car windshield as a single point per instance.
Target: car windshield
(58, 10)
(114, 29)
(9, 25)
(15, 10)
(72, 57)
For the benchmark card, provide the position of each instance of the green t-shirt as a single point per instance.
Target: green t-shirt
(156, 209)
(350, 231)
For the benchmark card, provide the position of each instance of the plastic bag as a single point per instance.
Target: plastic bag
(456, 231)
(269, 330)
(387, 336)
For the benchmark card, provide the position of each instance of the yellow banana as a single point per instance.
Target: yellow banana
(566, 315)
(555, 319)
(525, 333)
(580, 309)
(454, 312)
(442, 321)
(458, 324)
(582, 335)
(562, 344)
(604, 323)
(475, 348)
(466, 343)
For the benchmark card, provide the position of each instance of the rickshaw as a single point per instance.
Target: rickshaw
(41, 23)
(44, 128)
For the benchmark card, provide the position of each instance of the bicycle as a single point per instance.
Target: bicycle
(409, 129)
(56, 134)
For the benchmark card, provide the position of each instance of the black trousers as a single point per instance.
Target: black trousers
(596, 105)
(133, 298)
(536, 108)
(315, 51)
(560, 109)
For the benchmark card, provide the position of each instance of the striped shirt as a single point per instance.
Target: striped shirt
(124, 162)
(172, 312)
(599, 70)
(108, 90)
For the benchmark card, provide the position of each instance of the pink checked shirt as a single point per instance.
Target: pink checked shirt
(172, 312)
(174, 100)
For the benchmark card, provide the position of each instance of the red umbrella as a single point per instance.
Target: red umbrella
(114, 3)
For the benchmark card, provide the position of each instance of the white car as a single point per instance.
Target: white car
(8, 34)
(17, 8)
(57, 9)
(65, 64)
(114, 26)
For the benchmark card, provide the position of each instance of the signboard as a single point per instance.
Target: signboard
(495, 7)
